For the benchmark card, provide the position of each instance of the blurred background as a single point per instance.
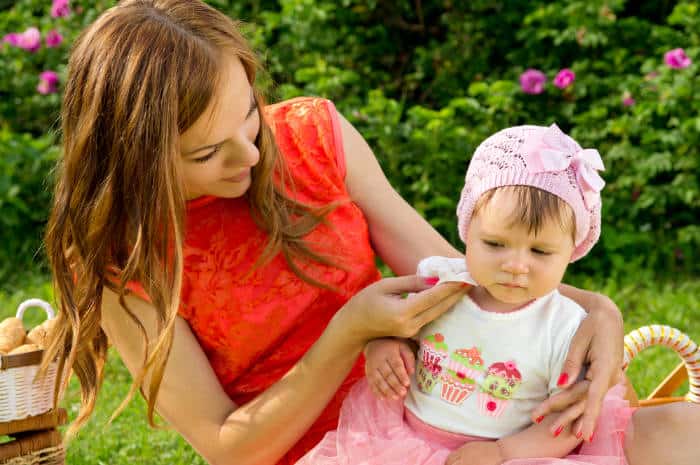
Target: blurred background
(424, 81)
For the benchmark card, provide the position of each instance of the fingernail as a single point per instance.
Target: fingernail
(591, 438)
(466, 285)
(563, 378)
(578, 435)
(558, 431)
(539, 419)
(431, 280)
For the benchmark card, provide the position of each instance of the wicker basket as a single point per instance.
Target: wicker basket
(21, 394)
(687, 350)
(39, 448)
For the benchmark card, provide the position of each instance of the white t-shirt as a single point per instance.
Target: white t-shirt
(482, 373)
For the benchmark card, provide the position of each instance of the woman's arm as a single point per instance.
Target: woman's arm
(264, 429)
(598, 344)
(400, 236)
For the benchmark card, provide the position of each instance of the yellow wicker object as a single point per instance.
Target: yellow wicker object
(688, 369)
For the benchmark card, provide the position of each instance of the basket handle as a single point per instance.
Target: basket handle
(35, 303)
(667, 336)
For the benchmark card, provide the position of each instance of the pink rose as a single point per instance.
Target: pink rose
(677, 59)
(564, 78)
(53, 38)
(29, 40)
(12, 38)
(48, 83)
(532, 81)
(59, 9)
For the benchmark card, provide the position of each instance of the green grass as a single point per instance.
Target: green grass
(129, 440)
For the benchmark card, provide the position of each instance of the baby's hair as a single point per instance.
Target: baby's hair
(533, 208)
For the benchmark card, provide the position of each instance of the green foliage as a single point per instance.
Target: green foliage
(425, 82)
(25, 165)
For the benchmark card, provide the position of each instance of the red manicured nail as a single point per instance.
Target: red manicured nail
(539, 419)
(578, 435)
(591, 438)
(558, 431)
(563, 378)
(431, 280)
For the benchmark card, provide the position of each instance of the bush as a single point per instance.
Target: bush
(426, 81)
(25, 163)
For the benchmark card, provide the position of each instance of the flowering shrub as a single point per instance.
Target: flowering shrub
(426, 81)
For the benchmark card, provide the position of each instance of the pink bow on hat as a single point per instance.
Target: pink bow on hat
(557, 151)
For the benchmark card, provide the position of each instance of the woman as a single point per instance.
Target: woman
(223, 247)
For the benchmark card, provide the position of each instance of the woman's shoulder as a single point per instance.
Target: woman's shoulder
(308, 134)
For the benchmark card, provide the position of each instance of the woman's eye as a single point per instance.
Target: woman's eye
(493, 243)
(207, 156)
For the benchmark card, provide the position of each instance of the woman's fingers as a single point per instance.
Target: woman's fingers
(450, 295)
(561, 400)
(568, 416)
(576, 355)
(597, 389)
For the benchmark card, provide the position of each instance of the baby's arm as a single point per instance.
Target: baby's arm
(535, 441)
(390, 362)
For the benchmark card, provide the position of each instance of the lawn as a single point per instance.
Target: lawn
(129, 440)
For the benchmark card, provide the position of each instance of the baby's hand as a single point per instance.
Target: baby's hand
(389, 364)
(477, 453)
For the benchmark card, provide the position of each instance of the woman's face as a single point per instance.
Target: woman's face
(218, 150)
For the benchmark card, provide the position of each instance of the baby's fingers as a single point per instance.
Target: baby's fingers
(398, 367)
(379, 386)
(392, 380)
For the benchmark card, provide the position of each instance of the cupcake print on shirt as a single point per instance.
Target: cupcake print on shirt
(501, 382)
(433, 351)
(459, 381)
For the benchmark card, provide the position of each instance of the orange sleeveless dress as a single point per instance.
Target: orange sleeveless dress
(254, 328)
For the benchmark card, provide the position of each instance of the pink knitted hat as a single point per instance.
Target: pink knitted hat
(540, 157)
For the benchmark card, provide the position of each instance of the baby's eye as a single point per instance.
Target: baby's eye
(540, 251)
(493, 243)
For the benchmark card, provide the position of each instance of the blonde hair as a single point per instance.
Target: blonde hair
(134, 85)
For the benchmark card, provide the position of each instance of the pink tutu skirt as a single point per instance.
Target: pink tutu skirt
(381, 432)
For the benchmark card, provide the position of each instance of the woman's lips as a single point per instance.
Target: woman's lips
(239, 177)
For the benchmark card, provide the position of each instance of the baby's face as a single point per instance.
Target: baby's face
(512, 264)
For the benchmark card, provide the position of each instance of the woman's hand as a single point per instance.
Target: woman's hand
(389, 364)
(381, 309)
(598, 344)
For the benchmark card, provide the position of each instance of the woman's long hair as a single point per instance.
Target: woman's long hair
(138, 77)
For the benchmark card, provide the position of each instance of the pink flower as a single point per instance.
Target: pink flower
(627, 99)
(564, 78)
(677, 59)
(532, 81)
(12, 38)
(48, 83)
(59, 9)
(29, 40)
(53, 38)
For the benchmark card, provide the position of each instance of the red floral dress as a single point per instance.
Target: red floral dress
(254, 328)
